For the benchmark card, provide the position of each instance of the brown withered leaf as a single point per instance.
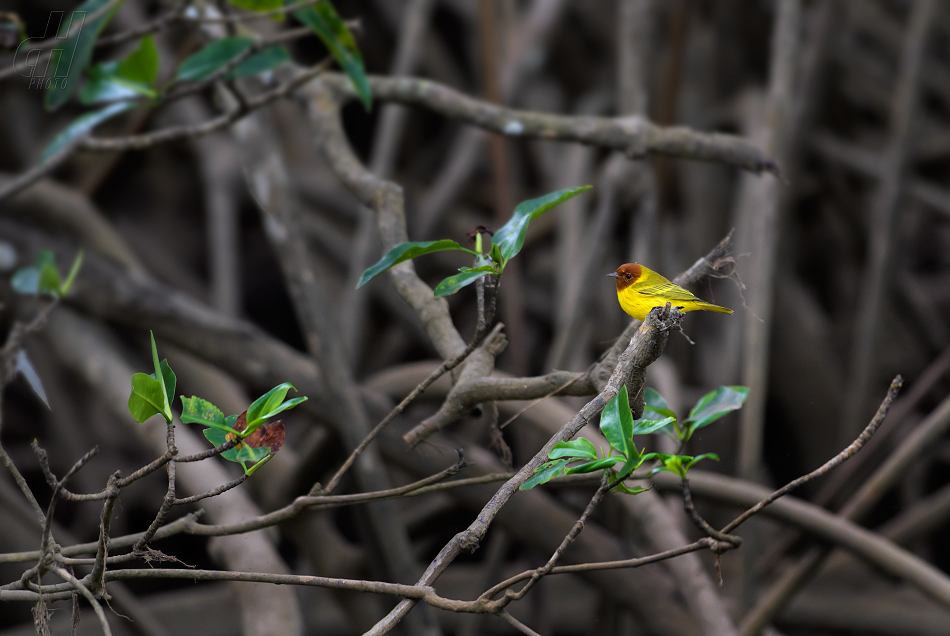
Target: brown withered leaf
(270, 435)
(479, 229)
(239, 425)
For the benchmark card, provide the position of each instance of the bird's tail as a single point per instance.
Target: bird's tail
(711, 307)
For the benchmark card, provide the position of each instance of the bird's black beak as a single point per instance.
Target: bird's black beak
(614, 275)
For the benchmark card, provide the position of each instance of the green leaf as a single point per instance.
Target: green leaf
(247, 453)
(266, 60)
(675, 465)
(616, 423)
(41, 277)
(68, 61)
(73, 273)
(82, 125)
(127, 79)
(239, 454)
(715, 405)
(406, 251)
(49, 282)
(633, 462)
(258, 5)
(147, 397)
(645, 425)
(289, 404)
(545, 473)
(680, 464)
(215, 435)
(195, 410)
(103, 84)
(211, 58)
(580, 447)
(155, 362)
(323, 19)
(269, 405)
(510, 237)
(636, 490)
(141, 65)
(597, 464)
(655, 406)
(698, 458)
(495, 254)
(167, 381)
(26, 280)
(250, 471)
(465, 277)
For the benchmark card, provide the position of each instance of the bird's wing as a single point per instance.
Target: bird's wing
(666, 290)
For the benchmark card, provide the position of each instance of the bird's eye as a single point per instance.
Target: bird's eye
(627, 276)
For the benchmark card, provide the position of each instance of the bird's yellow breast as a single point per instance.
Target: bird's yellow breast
(635, 304)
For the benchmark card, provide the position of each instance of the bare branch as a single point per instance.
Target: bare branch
(77, 584)
(634, 136)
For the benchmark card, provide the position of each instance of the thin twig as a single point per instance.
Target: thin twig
(105, 525)
(701, 523)
(167, 502)
(77, 584)
(514, 622)
(565, 543)
(480, 334)
(840, 458)
(212, 452)
(175, 133)
(34, 174)
(57, 487)
(189, 525)
(211, 493)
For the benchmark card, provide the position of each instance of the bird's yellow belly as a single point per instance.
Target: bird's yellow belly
(636, 305)
(639, 306)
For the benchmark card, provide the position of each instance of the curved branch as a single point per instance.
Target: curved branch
(386, 199)
(77, 584)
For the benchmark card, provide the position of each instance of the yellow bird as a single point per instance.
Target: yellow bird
(640, 289)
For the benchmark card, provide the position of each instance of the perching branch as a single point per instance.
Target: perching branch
(644, 348)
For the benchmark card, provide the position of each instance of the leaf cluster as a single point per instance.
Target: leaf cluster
(708, 409)
(255, 439)
(42, 277)
(121, 85)
(507, 241)
(618, 426)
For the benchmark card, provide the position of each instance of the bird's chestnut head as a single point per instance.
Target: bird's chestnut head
(626, 275)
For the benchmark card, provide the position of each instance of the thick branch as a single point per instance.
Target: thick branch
(644, 348)
(634, 136)
(386, 199)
